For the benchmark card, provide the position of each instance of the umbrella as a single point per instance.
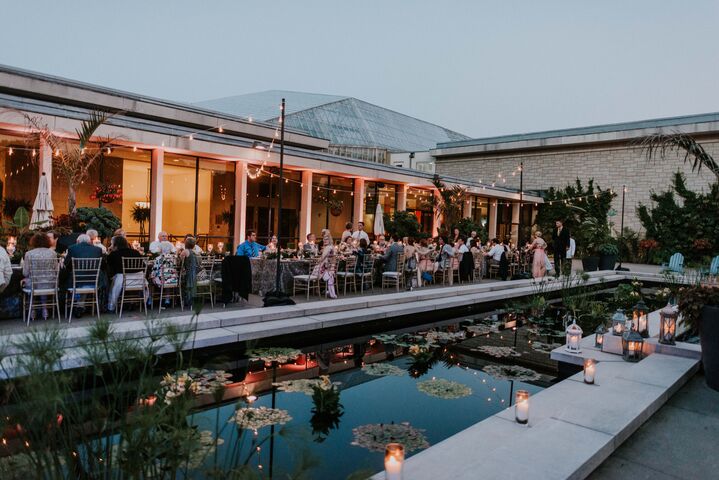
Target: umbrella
(42, 208)
(378, 220)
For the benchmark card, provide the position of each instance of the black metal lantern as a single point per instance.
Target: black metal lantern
(640, 319)
(619, 321)
(632, 346)
(668, 324)
(599, 336)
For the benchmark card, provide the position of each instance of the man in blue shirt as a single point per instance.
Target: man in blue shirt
(250, 247)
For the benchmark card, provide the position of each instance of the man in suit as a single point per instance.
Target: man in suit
(390, 256)
(561, 245)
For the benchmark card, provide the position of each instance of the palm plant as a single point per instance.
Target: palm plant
(73, 157)
(448, 206)
(659, 144)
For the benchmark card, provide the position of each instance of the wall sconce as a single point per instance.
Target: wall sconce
(521, 406)
(393, 461)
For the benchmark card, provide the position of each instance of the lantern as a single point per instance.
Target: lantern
(667, 324)
(640, 322)
(393, 460)
(618, 322)
(599, 336)
(590, 366)
(574, 337)
(632, 344)
(521, 406)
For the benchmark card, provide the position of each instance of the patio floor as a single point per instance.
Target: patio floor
(680, 441)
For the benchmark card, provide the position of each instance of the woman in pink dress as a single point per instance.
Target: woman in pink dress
(539, 262)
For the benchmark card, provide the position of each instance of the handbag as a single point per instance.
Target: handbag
(426, 276)
(547, 262)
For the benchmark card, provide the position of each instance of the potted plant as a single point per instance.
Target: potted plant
(608, 253)
(699, 308)
(335, 206)
(595, 232)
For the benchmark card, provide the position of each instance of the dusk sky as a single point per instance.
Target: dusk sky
(480, 68)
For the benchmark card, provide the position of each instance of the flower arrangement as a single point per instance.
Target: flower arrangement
(375, 437)
(702, 245)
(383, 370)
(445, 389)
(251, 418)
(107, 192)
(512, 372)
(274, 354)
(648, 244)
(305, 385)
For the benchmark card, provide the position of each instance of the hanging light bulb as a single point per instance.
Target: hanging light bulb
(57, 152)
(33, 152)
(134, 149)
(220, 129)
(192, 137)
(9, 151)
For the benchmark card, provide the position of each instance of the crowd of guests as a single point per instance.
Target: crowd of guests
(169, 260)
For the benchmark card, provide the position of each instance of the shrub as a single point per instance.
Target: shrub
(404, 224)
(101, 219)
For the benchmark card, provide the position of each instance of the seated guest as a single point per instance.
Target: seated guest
(347, 232)
(465, 260)
(310, 248)
(82, 249)
(272, 246)
(473, 239)
(250, 247)
(119, 249)
(390, 256)
(95, 240)
(39, 249)
(359, 234)
(160, 245)
(360, 251)
(347, 246)
(381, 242)
(117, 233)
(5, 269)
(424, 252)
(446, 254)
(325, 269)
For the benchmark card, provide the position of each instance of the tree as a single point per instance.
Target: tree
(73, 157)
(448, 206)
(659, 144)
(403, 224)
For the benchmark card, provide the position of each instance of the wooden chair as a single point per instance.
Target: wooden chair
(306, 283)
(396, 277)
(456, 278)
(134, 270)
(41, 290)
(85, 286)
(676, 264)
(348, 275)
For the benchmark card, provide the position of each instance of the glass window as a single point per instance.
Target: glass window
(480, 210)
(332, 204)
(20, 175)
(377, 192)
(263, 201)
(419, 202)
(178, 195)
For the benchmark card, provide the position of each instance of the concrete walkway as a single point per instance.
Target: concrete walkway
(681, 441)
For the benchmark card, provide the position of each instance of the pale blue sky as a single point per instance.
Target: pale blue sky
(479, 67)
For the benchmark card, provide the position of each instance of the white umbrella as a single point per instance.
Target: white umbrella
(42, 208)
(378, 220)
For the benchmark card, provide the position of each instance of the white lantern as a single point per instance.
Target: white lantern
(574, 337)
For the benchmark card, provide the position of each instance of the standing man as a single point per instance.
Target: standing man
(250, 247)
(360, 234)
(561, 245)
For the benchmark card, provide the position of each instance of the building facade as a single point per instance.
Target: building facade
(609, 154)
(203, 172)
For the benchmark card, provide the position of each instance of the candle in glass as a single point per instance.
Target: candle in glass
(393, 460)
(590, 366)
(521, 406)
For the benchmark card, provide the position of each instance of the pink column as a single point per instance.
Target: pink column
(240, 203)
(306, 206)
(157, 167)
(358, 211)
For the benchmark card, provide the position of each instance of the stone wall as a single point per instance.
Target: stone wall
(610, 166)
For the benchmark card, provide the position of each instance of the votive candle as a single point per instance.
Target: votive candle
(521, 406)
(590, 366)
(393, 461)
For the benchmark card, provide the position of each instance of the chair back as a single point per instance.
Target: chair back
(714, 266)
(676, 262)
(401, 260)
(134, 265)
(86, 271)
(350, 264)
(368, 265)
(44, 273)
(168, 272)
